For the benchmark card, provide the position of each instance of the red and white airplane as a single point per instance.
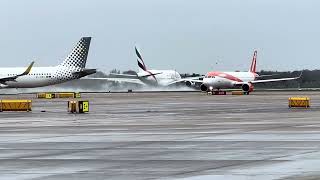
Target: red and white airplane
(215, 80)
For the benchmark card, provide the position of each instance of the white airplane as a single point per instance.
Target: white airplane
(73, 67)
(149, 77)
(215, 80)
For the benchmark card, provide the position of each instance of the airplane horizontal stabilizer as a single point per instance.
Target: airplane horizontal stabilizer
(85, 72)
(151, 74)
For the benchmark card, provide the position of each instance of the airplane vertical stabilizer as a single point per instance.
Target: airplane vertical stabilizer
(141, 64)
(78, 56)
(254, 63)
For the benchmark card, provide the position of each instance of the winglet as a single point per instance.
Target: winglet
(27, 70)
(298, 77)
(300, 74)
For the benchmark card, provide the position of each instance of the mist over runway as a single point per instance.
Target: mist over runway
(88, 85)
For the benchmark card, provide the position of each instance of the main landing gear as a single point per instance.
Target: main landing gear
(217, 92)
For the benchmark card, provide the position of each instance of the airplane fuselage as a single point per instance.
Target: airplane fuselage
(159, 77)
(222, 80)
(39, 76)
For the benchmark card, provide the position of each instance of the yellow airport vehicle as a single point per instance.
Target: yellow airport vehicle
(237, 93)
(41, 95)
(49, 95)
(78, 106)
(45, 95)
(299, 102)
(15, 105)
(65, 95)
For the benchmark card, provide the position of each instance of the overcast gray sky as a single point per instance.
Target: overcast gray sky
(186, 35)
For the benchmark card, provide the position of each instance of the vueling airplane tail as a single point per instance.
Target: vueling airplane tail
(78, 56)
(253, 63)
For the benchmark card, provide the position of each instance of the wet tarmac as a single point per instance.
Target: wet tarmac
(172, 135)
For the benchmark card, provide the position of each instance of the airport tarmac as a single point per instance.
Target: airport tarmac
(172, 135)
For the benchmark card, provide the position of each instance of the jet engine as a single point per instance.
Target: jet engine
(190, 84)
(203, 87)
(247, 87)
(3, 86)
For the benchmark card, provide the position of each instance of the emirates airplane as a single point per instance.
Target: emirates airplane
(150, 77)
(73, 67)
(214, 81)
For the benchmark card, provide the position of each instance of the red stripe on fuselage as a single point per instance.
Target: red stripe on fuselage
(224, 75)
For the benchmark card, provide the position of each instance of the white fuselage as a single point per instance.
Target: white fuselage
(159, 77)
(221, 80)
(39, 76)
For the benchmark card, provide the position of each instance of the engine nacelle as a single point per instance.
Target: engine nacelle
(203, 87)
(190, 84)
(247, 87)
(3, 86)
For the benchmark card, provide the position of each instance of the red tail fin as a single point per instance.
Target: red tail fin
(254, 62)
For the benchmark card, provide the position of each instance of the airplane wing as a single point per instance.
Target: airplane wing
(3, 80)
(121, 80)
(85, 72)
(273, 80)
(191, 79)
(123, 75)
(270, 80)
(131, 75)
(151, 74)
(267, 75)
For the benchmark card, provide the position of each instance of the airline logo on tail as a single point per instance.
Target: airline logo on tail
(140, 60)
(254, 63)
(78, 56)
(143, 66)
